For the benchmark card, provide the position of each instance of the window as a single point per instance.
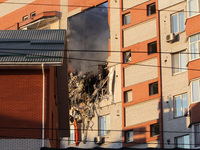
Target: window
(194, 46)
(152, 47)
(195, 91)
(181, 103)
(72, 134)
(25, 18)
(32, 14)
(193, 7)
(153, 88)
(197, 135)
(126, 19)
(129, 136)
(127, 56)
(151, 9)
(182, 141)
(104, 125)
(127, 96)
(154, 129)
(178, 23)
(179, 62)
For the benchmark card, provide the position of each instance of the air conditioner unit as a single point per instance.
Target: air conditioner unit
(98, 140)
(170, 37)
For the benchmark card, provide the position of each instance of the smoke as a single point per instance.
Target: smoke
(88, 30)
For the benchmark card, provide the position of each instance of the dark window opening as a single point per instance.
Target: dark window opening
(154, 129)
(153, 88)
(126, 19)
(152, 47)
(33, 14)
(127, 56)
(129, 136)
(25, 18)
(127, 96)
(151, 9)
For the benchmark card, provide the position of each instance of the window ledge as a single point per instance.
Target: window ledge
(175, 74)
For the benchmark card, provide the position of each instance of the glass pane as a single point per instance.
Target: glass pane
(175, 23)
(128, 19)
(107, 125)
(185, 101)
(186, 140)
(193, 38)
(72, 137)
(178, 106)
(102, 126)
(195, 91)
(129, 96)
(181, 22)
(193, 7)
(180, 143)
(194, 50)
(183, 61)
(175, 63)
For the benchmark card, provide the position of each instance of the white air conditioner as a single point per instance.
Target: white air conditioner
(170, 37)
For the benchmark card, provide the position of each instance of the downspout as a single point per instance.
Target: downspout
(43, 104)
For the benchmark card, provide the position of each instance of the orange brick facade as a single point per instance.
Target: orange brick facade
(21, 104)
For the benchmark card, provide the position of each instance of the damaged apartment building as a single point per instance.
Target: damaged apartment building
(133, 68)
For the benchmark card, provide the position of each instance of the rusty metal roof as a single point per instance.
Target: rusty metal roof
(31, 46)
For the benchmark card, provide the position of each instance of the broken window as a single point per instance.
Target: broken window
(104, 125)
(127, 56)
(153, 88)
(127, 96)
(151, 9)
(129, 136)
(126, 19)
(154, 129)
(152, 47)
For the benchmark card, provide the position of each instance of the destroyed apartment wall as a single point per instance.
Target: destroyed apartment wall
(93, 109)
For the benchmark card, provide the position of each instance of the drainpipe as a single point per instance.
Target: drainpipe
(43, 104)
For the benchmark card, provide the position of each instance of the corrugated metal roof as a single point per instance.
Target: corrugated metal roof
(31, 46)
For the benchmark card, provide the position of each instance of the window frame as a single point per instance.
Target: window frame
(180, 70)
(127, 134)
(176, 141)
(198, 124)
(150, 89)
(126, 95)
(198, 46)
(25, 18)
(191, 90)
(31, 14)
(175, 108)
(154, 131)
(188, 8)
(149, 47)
(178, 22)
(149, 13)
(125, 20)
(106, 129)
(125, 60)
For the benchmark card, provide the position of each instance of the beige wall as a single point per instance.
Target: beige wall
(132, 3)
(152, 144)
(7, 8)
(135, 74)
(140, 32)
(142, 112)
(167, 3)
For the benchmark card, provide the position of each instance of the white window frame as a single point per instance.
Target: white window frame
(72, 132)
(188, 8)
(192, 91)
(179, 65)
(175, 108)
(24, 18)
(149, 13)
(198, 46)
(178, 21)
(176, 141)
(106, 123)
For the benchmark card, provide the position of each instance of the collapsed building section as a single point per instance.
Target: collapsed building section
(88, 34)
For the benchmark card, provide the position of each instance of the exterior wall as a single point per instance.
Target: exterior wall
(10, 18)
(172, 84)
(139, 73)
